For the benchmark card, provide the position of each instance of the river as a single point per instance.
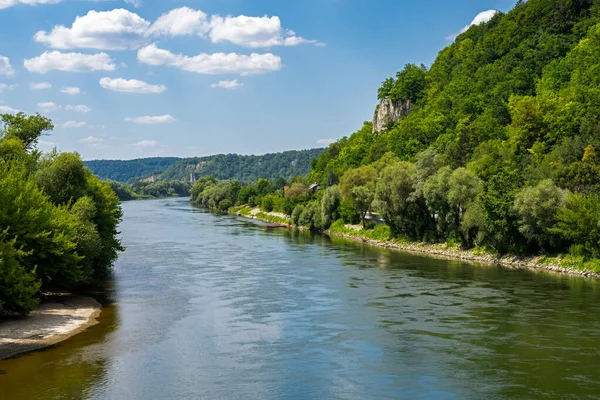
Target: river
(218, 307)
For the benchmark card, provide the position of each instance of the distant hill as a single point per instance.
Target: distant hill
(126, 170)
(222, 166)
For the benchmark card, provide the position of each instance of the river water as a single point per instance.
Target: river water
(217, 307)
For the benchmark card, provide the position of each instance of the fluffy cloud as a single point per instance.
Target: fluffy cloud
(118, 29)
(5, 86)
(234, 84)
(481, 18)
(72, 62)
(130, 86)
(253, 31)
(5, 67)
(325, 141)
(217, 63)
(48, 107)
(151, 120)
(7, 110)
(180, 21)
(147, 144)
(135, 3)
(74, 124)
(82, 108)
(10, 3)
(40, 85)
(70, 90)
(91, 140)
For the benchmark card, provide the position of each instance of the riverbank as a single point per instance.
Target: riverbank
(52, 322)
(442, 250)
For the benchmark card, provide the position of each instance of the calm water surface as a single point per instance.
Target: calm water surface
(216, 307)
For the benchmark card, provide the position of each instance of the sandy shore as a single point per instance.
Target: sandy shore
(50, 323)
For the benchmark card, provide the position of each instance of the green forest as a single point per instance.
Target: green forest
(129, 170)
(498, 151)
(58, 222)
(222, 166)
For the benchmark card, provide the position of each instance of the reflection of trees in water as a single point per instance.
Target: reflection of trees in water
(68, 369)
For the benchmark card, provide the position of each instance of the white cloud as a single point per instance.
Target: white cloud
(120, 29)
(72, 62)
(5, 67)
(135, 3)
(130, 86)
(74, 124)
(91, 140)
(180, 21)
(147, 144)
(117, 29)
(6, 86)
(481, 18)
(234, 84)
(40, 85)
(253, 31)
(48, 107)
(325, 141)
(82, 108)
(8, 110)
(10, 3)
(46, 145)
(70, 90)
(217, 63)
(151, 120)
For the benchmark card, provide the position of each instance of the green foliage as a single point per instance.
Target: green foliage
(59, 222)
(161, 189)
(409, 84)
(27, 129)
(330, 206)
(244, 168)
(537, 208)
(579, 222)
(130, 170)
(18, 287)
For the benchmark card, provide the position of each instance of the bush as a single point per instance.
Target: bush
(268, 202)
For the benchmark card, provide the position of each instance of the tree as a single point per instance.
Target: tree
(330, 204)
(463, 188)
(537, 208)
(395, 191)
(18, 287)
(358, 186)
(579, 222)
(27, 129)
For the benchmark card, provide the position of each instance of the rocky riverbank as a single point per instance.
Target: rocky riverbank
(52, 322)
(443, 250)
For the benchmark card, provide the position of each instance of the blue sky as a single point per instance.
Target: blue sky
(138, 78)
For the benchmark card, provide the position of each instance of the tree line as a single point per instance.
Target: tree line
(58, 222)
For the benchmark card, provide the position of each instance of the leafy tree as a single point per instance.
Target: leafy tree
(579, 222)
(537, 208)
(18, 287)
(27, 129)
(395, 191)
(330, 204)
(358, 186)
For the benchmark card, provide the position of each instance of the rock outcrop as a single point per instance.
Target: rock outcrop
(388, 112)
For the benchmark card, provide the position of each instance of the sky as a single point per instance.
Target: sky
(125, 79)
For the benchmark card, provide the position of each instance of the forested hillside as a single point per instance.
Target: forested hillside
(126, 170)
(497, 147)
(222, 166)
(245, 168)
